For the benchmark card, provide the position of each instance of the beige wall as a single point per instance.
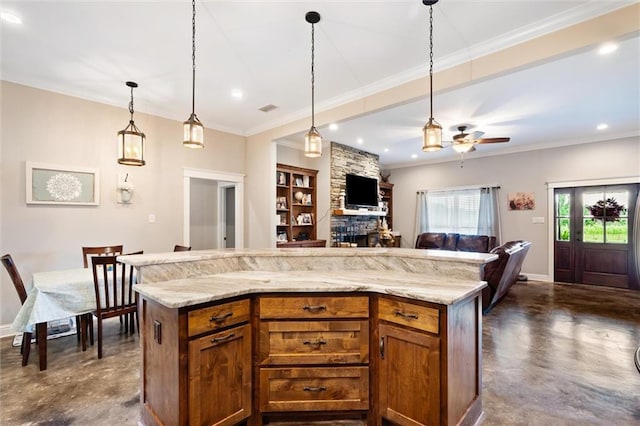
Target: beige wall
(46, 127)
(520, 172)
(203, 221)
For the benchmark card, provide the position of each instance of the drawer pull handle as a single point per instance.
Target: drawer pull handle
(314, 308)
(221, 318)
(318, 342)
(314, 389)
(222, 339)
(406, 316)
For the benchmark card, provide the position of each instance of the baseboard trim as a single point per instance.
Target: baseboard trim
(6, 331)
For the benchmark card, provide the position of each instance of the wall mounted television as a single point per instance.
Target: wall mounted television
(361, 191)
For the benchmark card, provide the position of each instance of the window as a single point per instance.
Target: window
(453, 211)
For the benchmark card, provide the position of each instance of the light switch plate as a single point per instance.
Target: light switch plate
(537, 219)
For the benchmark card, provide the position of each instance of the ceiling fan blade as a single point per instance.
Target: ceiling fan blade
(492, 140)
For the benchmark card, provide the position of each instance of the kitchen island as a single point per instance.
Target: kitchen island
(376, 336)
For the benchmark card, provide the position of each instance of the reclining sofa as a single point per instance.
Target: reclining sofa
(500, 274)
(455, 242)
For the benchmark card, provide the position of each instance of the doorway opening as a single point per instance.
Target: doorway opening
(213, 209)
(594, 235)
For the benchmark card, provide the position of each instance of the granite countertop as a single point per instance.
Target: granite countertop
(198, 255)
(192, 291)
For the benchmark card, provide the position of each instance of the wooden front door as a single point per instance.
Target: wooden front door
(594, 235)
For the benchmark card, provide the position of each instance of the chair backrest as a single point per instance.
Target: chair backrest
(89, 252)
(113, 284)
(181, 248)
(10, 265)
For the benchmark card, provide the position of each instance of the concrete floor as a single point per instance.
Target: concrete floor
(552, 355)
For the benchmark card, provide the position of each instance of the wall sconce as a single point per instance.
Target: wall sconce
(124, 189)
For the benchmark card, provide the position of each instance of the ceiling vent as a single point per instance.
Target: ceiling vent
(268, 108)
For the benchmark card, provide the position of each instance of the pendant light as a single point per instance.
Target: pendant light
(131, 139)
(432, 131)
(313, 140)
(193, 129)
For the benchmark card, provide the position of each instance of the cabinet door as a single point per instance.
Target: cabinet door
(220, 377)
(409, 376)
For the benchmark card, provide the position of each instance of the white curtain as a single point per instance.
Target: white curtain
(489, 214)
(422, 219)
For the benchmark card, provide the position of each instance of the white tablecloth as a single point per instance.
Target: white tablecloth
(56, 295)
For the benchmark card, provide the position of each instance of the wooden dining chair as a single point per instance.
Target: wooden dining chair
(181, 248)
(10, 265)
(86, 324)
(113, 284)
(89, 252)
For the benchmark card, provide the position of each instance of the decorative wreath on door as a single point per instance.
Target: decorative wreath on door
(610, 207)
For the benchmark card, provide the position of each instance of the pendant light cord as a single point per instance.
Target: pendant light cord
(131, 105)
(193, 57)
(313, 79)
(431, 61)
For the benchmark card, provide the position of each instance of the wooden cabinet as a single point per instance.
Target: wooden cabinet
(302, 356)
(386, 196)
(196, 364)
(403, 353)
(431, 353)
(314, 354)
(220, 377)
(296, 207)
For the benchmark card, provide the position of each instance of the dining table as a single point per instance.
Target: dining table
(55, 295)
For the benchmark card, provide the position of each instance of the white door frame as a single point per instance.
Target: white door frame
(227, 179)
(222, 217)
(551, 204)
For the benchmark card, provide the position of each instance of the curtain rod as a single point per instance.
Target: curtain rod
(460, 188)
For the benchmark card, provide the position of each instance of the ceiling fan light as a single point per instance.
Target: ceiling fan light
(463, 147)
(432, 136)
(193, 133)
(313, 143)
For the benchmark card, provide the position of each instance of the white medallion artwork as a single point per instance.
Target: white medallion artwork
(64, 187)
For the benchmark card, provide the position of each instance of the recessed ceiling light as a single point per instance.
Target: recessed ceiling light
(236, 93)
(414, 156)
(10, 18)
(607, 48)
(333, 126)
(386, 150)
(360, 141)
(602, 126)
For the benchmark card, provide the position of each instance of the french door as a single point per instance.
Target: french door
(594, 241)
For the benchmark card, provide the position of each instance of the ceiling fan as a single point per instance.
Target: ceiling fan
(465, 142)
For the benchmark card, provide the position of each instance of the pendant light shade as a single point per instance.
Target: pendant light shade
(131, 139)
(432, 131)
(313, 143)
(193, 133)
(313, 140)
(193, 129)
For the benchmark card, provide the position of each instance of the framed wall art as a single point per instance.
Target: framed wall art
(62, 185)
(521, 201)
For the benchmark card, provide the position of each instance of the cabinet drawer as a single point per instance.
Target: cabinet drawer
(314, 389)
(313, 307)
(314, 342)
(416, 316)
(219, 316)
